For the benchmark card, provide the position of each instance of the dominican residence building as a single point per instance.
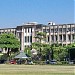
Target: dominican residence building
(64, 34)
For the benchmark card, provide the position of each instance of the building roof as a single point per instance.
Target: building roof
(22, 55)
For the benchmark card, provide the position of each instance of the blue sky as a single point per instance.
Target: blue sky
(16, 12)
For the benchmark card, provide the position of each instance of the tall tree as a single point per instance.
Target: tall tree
(58, 51)
(8, 40)
(38, 45)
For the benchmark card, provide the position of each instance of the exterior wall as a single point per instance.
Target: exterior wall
(8, 30)
(63, 34)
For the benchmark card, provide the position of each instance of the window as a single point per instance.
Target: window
(60, 29)
(55, 37)
(64, 29)
(28, 39)
(69, 37)
(52, 30)
(73, 29)
(44, 30)
(31, 39)
(48, 30)
(73, 36)
(31, 30)
(25, 39)
(64, 45)
(64, 37)
(60, 38)
(28, 30)
(48, 38)
(69, 29)
(56, 30)
(52, 37)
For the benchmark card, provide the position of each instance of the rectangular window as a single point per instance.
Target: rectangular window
(73, 36)
(47, 30)
(69, 29)
(69, 37)
(48, 38)
(56, 30)
(55, 37)
(44, 30)
(31, 30)
(60, 29)
(28, 39)
(31, 39)
(64, 29)
(28, 30)
(73, 29)
(52, 38)
(25, 39)
(52, 30)
(60, 38)
(64, 37)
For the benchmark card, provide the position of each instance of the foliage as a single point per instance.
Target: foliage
(40, 36)
(56, 50)
(9, 41)
(4, 57)
(46, 48)
(38, 45)
(59, 52)
(28, 50)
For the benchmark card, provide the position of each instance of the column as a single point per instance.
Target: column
(22, 40)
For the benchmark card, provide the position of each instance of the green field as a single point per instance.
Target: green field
(36, 70)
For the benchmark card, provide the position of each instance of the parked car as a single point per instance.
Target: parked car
(2, 61)
(71, 62)
(29, 62)
(12, 61)
(53, 62)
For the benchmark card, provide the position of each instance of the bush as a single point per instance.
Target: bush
(59, 62)
(4, 56)
(39, 62)
(64, 62)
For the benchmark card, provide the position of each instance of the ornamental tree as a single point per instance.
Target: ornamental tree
(8, 40)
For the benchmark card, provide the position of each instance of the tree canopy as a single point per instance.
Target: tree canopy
(9, 41)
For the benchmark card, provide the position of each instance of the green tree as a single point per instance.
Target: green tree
(40, 36)
(38, 45)
(8, 40)
(58, 51)
(28, 50)
(46, 51)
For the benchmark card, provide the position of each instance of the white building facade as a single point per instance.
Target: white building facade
(64, 34)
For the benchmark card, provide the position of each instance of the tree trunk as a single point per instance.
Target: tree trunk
(8, 52)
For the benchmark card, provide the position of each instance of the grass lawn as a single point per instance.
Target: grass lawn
(36, 70)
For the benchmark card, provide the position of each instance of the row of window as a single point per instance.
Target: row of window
(14, 32)
(28, 39)
(55, 38)
(28, 30)
(60, 30)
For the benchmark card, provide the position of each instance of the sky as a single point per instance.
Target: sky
(16, 12)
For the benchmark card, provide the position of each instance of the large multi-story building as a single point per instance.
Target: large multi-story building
(62, 33)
